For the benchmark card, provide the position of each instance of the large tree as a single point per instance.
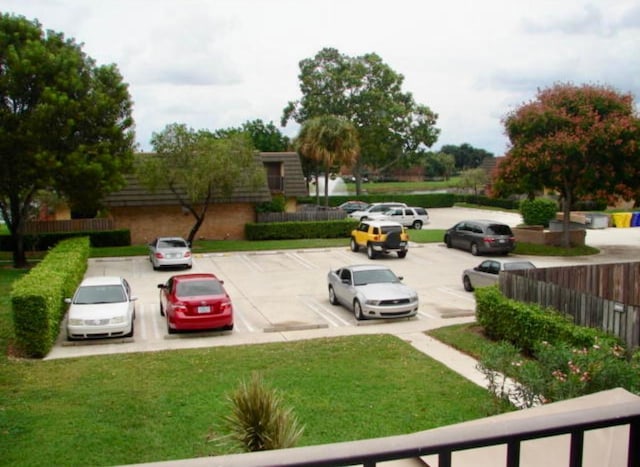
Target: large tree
(367, 92)
(466, 156)
(330, 141)
(199, 167)
(266, 137)
(65, 124)
(581, 141)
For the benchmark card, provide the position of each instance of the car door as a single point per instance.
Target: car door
(460, 236)
(344, 288)
(486, 273)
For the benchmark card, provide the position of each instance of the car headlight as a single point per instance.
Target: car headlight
(117, 320)
(373, 302)
(76, 322)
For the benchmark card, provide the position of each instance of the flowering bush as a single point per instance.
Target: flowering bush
(559, 372)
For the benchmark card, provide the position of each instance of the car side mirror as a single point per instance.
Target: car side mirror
(161, 286)
(67, 300)
(133, 299)
(477, 268)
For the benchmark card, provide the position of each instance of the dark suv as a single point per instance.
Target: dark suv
(481, 236)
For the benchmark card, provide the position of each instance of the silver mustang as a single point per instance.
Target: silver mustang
(371, 292)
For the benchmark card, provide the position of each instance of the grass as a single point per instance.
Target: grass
(155, 406)
(467, 338)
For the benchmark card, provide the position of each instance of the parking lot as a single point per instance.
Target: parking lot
(282, 295)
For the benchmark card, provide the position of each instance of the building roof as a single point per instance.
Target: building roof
(136, 194)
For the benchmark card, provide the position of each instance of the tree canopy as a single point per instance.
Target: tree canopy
(581, 141)
(391, 126)
(199, 167)
(65, 124)
(466, 156)
(266, 137)
(329, 141)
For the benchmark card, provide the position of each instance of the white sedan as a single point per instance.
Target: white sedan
(101, 307)
(371, 291)
(486, 273)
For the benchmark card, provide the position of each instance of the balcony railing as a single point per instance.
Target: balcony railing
(601, 429)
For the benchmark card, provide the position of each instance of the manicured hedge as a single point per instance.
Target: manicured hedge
(46, 241)
(293, 230)
(486, 201)
(430, 200)
(37, 299)
(527, 324)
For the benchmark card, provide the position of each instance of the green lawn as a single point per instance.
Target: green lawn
(155, 406)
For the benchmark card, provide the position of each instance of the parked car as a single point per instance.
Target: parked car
(481, 236)
(195, 302)
(380, 237)
(413, 217)
(487, 272)
(371, 291)
(352, 206)
(170, 252)
(101, 307)
(373, 209)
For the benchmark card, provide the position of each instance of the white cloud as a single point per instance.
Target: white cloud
(215, 64)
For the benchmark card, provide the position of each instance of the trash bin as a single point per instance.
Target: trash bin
(626, 219)
(635, 219)
(617, 219)
(597, 220)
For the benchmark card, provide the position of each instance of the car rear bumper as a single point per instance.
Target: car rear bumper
(183, 322)
(171, 263)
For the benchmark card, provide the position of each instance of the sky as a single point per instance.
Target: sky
(214, 64)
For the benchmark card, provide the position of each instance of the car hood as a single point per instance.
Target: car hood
(388, 291)
(98, 311)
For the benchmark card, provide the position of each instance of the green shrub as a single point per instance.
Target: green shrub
(37, 299)
(538, 211)
(486, 201)
(525, 325)
(258, 419)
(294, 230)
(277, 204)
(425, 200)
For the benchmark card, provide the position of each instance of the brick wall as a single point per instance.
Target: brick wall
(147, 222)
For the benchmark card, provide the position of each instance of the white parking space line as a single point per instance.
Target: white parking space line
(239, 319)
(426, 315)
(254, 266)
(466, 295)
(325, 313)
(302, 261)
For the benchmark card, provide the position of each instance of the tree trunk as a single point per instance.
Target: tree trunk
(326, 187)
(19, 256)
(566, 214)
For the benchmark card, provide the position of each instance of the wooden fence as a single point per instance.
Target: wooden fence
(603, 296)
(70, 225)
(319, 215)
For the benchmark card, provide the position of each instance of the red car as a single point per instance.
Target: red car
(195, 302)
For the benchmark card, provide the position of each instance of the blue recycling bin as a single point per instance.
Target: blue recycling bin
(635, 219)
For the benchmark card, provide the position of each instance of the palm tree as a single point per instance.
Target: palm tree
(328, 140)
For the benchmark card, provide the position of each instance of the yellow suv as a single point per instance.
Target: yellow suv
(380, 237)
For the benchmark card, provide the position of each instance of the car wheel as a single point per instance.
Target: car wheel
(447, 241)
(161, 309)
(357, 310)
(417, 225)
(332, 296)
(371, 254)
(402, 254)
(228, 327)
(474, 249)
(467, 284)
(354, 245)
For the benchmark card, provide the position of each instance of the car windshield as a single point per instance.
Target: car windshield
(198, 287)
(374, 276)
(173, 243)
(499, 229)
(100, 294)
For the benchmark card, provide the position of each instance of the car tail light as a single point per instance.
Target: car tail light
(488, 240)
(159, 255)
(187, 254)
(225, 306)
(180, 308)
